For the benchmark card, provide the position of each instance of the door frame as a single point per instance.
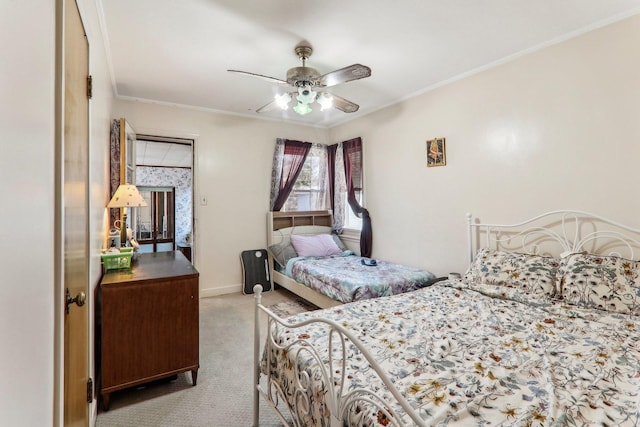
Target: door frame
(159, 135)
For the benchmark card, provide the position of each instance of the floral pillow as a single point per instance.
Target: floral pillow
(603, 282)
(530, 273)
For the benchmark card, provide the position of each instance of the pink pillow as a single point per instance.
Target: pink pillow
(319, 245)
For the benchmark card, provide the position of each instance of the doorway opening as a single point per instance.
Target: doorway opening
(164, 176)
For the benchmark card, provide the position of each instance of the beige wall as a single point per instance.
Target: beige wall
(556, 129)
(233, 171)
(27, 170)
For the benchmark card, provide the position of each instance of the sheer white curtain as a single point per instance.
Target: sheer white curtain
(276, 171)
(340, 191)
(317, 162)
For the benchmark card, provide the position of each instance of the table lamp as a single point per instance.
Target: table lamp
(127, 195)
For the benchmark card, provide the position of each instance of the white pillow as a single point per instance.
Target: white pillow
(318, 245)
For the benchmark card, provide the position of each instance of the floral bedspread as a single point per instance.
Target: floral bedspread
(483, 357)
(346, 279)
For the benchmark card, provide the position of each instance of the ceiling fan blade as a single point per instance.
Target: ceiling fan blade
(274, 104)
(344, 105)
(267, 107)
(346, 74)
(260, 76)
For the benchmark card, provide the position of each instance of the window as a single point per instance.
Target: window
(305, 174)
(351, 220)
(310, 190)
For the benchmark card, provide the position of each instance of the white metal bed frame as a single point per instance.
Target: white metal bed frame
(557, 233)
(340, 399)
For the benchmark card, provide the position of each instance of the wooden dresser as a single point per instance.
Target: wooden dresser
(147, 322)
(185, 248)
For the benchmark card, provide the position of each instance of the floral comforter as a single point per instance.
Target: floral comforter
(345, 278)
(477, 357)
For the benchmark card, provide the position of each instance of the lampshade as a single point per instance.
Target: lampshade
(302, 109)
(127, 195)
(283, 100)
(325, 100)
(306, 95)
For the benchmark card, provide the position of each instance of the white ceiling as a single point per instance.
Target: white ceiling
(178, 52)
(153, 153)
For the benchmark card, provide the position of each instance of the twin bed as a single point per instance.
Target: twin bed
(308, 260)
(544, 329)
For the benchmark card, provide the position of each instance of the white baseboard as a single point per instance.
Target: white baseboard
(214, 292)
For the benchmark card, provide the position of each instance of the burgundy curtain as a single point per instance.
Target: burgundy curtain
(353, 172)
(331, 171)
(295, 153)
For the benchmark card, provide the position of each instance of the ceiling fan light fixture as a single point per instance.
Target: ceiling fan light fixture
(306, 95)
(301, 81)
(325, 100)
(283, 100)
(302, 108)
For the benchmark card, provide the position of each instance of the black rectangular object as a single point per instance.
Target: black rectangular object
(255, 270)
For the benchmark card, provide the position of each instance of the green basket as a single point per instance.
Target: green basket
(117, 261)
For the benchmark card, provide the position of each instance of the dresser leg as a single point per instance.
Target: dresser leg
(194, 376)
(106, 398)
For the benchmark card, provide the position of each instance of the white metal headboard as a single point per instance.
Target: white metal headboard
(556, 233)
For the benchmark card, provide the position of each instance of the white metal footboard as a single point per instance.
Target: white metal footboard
(333, 370)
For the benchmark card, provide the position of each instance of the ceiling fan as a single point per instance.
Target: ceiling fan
(307, 85)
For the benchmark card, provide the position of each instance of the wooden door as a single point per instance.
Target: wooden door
(75, 214)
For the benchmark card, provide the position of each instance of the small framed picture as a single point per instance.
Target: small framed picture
(436, 152)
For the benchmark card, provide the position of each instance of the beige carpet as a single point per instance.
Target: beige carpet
(223, 396)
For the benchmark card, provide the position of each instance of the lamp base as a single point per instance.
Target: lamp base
(114, 242)
(123, 230)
